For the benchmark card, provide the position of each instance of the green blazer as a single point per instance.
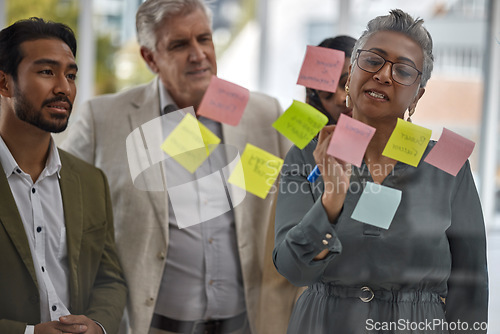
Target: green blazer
(97, 285)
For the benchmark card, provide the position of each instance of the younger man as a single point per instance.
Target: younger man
(59, 272)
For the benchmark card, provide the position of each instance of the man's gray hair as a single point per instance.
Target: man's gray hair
(399, 21)
(151, 13)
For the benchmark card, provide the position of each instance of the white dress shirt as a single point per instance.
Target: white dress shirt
(41, 209)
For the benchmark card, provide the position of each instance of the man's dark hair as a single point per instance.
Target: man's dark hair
(31, 29)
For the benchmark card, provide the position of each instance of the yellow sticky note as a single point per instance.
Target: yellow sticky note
(256, 171)
(407, 143)
(190, 143)
(210, 140)
(300, 123)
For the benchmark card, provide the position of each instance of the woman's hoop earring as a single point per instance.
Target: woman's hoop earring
(411, 111)
(347, 98)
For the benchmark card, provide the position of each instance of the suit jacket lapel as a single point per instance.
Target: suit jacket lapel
(71, 193)
(237, 137)
(146, 106)
(144, 109)
(11, 220)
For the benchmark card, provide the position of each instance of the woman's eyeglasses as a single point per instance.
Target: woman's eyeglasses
(371, 62)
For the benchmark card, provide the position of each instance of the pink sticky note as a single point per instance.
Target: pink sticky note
(224, 101)
(321, 68)
(450, 152)
(350, 139)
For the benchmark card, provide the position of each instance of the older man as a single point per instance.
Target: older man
(204, 278)
(59, 272)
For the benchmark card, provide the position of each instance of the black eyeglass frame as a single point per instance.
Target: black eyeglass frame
(382, 66)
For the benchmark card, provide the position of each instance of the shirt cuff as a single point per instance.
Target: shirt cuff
(104, 331)
(29, 329)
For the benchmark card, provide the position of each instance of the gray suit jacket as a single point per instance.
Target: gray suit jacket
(141, 228)
(97, 286)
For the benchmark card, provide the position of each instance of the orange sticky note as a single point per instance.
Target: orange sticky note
(350, 140)
(450, 152)
(224, 101)
(321, 68)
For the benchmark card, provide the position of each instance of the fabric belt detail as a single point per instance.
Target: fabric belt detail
(217, 326)
(367, 294)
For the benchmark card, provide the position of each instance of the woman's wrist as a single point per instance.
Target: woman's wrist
(332, 203)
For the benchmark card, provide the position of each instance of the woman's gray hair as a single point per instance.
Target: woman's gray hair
(399, 21)
(151, 13)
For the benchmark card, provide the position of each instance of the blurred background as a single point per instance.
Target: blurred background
(261, 44)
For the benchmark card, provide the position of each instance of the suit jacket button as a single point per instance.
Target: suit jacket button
(150, 301)
(34, 299)
(162, 255)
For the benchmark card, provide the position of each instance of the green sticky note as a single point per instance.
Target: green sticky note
(377, 205)
(300, 123)
(256, 171)
(190, 143)
(407, 143)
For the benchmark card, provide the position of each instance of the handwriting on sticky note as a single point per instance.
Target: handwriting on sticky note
(256, 171)
(224, 101)
(300, 123)
(407, 143)
(190, 143)
(350, 140)
(321, 68)
(377, 205)
(450, 152)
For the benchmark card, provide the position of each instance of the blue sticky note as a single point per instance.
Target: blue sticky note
(377, 205)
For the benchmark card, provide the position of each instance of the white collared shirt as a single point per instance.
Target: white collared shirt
(41, 209)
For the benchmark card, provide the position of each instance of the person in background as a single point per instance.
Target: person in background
(204, 278)
(333, 104)
(59, 272)
(276, 290)
(429, 266)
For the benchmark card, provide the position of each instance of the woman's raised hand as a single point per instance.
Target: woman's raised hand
(335, 172)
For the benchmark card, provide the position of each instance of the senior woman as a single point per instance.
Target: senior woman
(425, 274)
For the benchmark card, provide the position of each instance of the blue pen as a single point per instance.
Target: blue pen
(314, 174)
